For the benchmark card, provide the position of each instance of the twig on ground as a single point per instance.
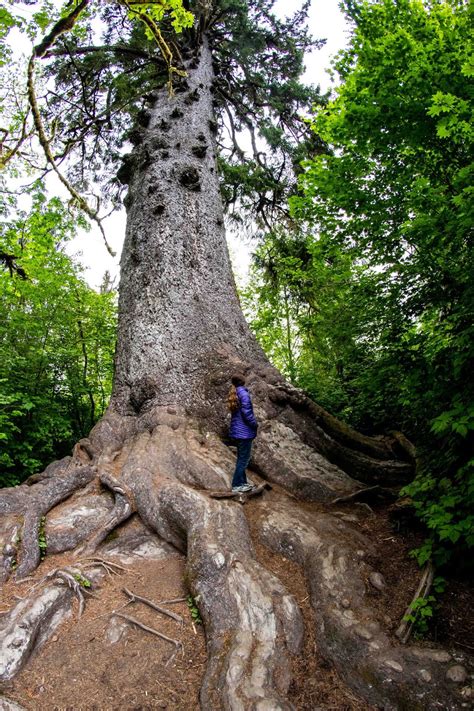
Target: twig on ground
(135, 622)
(406, 626)
(133, 597)
(461, 644)
(107, 564)
(355, 495)
(171, 602)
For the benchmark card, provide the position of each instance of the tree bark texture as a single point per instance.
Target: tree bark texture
(178, 306)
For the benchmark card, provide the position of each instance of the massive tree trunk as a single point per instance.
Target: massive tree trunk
(158, 452)
(178, 310)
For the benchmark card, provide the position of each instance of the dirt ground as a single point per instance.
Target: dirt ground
(104, 663)
(85, 666)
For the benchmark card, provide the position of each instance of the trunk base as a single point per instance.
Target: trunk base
(163, 465)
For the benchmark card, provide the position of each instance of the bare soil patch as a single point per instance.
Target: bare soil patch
(82, 666)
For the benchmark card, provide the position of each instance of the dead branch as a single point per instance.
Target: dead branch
(368, 492)
(172, 602)
(406, 626)
(108, 565)
(133, 621)
(137, 598)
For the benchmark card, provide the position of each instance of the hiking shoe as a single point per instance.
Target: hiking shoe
(246, 487)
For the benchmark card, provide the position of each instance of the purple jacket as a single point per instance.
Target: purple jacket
(243, 424)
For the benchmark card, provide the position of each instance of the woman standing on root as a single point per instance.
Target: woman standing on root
(243, 428)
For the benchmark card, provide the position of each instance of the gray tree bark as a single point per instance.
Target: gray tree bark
(178, 308)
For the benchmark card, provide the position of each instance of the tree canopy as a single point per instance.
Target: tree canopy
(95, 64)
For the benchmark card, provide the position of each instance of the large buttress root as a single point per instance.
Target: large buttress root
(33, 503)
(252, 623)
(34, 619)
(381, 460)
(348, 633)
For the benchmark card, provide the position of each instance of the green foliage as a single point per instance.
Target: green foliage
(57, 340)
(84, 582)
(384, 301)
(296, 304)
(157, 11)
(7, 22)
(423, 609)
(116, 54)
(446, 506)
(195, 615)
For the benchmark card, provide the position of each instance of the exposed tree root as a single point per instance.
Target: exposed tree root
(137, 598)
(252, 623)
(162, 465)
(123, 509)
(349, 635)
(33, 503)
(178, 645)
(34, 619)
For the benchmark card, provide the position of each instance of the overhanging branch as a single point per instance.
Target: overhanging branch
(62, 26)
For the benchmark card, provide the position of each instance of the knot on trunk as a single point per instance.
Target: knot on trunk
(151, 98)
(135, 136)
(143, 118)
(190, 179)
(124, 173)
(199, 151)
(128, 200)
(143, 391)
(192, 97)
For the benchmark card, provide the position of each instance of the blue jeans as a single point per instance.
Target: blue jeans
(244, 448)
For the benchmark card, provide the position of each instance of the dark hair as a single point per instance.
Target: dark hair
(237, 379)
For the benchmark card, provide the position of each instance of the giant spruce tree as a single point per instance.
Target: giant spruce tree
(184, 100)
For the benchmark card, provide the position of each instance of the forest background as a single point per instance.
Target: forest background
(362, 296)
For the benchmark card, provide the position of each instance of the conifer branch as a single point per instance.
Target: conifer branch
(63, 25)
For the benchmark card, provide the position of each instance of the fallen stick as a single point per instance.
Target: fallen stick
(107, 564)
(133, 621)
(354, 495)
(375, 491)
(133, 598)
(406, 626)
(171, 602)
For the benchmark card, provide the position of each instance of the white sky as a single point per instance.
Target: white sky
(326, 22)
